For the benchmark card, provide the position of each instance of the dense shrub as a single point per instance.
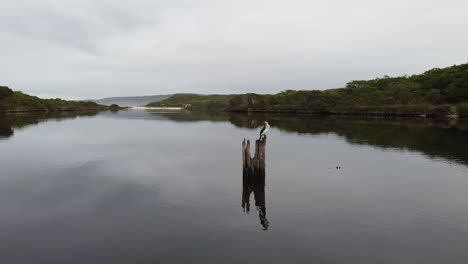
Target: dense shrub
(462, 110)
(19, 102)
(438, 110)
(5, 92)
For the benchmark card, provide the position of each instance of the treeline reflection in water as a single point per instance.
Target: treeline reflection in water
(447, 139)
(11, 122)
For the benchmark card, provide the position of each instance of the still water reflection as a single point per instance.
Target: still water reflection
(143, 187)
(258, 190)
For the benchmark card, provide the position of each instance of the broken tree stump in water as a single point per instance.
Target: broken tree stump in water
(254, 168)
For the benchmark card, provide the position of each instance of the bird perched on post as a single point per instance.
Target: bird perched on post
(264, 130)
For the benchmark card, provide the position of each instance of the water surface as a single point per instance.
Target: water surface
(145, 187)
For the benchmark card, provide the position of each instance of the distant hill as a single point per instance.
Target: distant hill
(131, 100)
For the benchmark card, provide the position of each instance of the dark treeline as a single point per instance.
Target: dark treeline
(214, 102)
(15, 101)
(437, 92)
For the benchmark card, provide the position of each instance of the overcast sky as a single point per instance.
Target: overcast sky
(100, 48)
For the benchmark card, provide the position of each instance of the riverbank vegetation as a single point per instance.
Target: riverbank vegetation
(437, 92)
(462, 110)
(14, 101)
(214, 102)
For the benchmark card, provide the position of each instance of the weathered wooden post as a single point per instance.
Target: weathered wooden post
(254, 168)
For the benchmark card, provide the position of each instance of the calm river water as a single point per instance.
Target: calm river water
(145, 187)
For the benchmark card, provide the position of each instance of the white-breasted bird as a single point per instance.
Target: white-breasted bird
(264, 130)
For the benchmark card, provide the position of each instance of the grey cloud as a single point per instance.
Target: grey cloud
(83, 49)
(72, 26)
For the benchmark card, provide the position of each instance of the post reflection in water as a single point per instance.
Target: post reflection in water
(259, 196)
(253, 179)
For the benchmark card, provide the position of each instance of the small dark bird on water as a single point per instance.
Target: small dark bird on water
(264, 130)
